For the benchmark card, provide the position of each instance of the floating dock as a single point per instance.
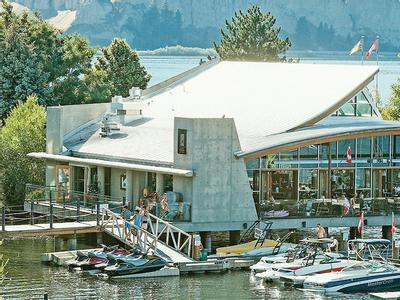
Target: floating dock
(212, 265)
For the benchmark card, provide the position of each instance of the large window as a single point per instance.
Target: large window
(343, 146)
(308, 183)
(363, 182)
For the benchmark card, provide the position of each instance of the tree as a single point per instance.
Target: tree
(392, 110)
(23, 132)
(22, 72)
(252, 36)
(122, 68)
(36, 59)
(75, 62)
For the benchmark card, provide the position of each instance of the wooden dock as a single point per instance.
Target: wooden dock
(67, 228)
(386, 295)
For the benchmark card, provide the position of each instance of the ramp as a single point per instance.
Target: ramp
(165, 239)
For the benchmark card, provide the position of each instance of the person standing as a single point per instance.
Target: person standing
(126, 216)
(320, 231)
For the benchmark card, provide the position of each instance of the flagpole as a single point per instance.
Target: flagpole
(377, 63)
(362, 49)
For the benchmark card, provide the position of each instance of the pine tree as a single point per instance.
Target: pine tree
(122, 68)
(252, 36)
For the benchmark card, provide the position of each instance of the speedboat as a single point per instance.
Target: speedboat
(362, 277)
(129, 267)
(312, 260)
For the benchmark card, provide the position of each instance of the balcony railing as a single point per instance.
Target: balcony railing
(311, 208)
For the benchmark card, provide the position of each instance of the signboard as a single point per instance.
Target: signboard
(182, 141)
(197, 240)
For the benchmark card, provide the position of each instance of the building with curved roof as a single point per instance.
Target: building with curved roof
(238, 141)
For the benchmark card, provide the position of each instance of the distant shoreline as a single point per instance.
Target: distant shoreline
(302, 54)
(178, 51)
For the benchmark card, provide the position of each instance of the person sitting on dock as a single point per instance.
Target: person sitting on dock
(126, 216)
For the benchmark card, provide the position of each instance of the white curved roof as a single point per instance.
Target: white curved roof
(264, 99)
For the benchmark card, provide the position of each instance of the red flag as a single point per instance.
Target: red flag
(393, 229)
(373, 48)
(348, 156)
(360, 223)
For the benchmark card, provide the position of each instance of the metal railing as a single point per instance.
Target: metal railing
(157, 232)
(309, 208)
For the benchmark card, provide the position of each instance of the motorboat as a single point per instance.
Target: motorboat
(362, 277)
(371, 272)
(295, 256)
(130, 267)
(259, 246)
(314, 261)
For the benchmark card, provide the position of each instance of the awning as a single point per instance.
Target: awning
(111, 164)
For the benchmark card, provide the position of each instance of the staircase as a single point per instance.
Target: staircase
(165, 239)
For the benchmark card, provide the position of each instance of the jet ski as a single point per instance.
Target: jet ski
(84, 255)
(112, 259)
(98, 257)
(128, 267)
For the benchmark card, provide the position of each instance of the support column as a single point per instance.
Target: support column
(101, 179)
(72, 242)
(129, 188)
(206, 240)
(99, 238)
(386, 233)
(234, 237)
(354, 233)
(136, 188)
(160, 183)
(51, 174)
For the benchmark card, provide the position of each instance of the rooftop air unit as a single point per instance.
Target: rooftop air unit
(135, 93)
(109, 124)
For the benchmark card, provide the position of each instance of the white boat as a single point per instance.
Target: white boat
(361, 277)
(306, 253)
(371, 272)
(296, 270)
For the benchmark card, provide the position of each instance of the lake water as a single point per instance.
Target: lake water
(28, 278)
(163, 67)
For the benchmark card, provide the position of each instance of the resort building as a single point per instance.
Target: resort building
(236, 141)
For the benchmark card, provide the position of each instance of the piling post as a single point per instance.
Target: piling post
(78, 209)
(32, 214)
(97, 212)
(3, 219)
(51, 211)
(45, 296)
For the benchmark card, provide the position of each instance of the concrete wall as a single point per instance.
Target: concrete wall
(220, 190)
(65, 120)
(115, 183)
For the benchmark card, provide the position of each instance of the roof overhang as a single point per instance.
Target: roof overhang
(111, 164)
(309, 136)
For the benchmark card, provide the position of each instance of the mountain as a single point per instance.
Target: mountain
(149, 24)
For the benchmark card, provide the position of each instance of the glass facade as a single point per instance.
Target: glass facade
(297, 181)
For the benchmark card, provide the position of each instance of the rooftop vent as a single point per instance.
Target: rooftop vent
(135, 93)
(109, 124)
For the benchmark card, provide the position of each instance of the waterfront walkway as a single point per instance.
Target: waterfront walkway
(64, 228)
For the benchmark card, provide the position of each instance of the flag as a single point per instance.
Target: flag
(360, 223)
(373, 48)
(348, 156)
(393, 229)
(357, 47)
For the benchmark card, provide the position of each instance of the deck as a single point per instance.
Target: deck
(65, 228)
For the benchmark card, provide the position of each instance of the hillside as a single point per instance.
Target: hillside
(311, 24)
